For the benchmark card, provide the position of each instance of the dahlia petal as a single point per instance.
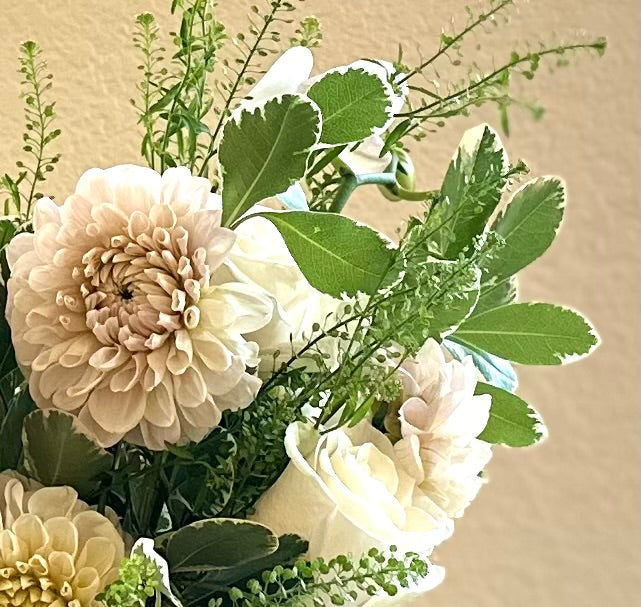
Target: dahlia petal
(160, 410)
(117, 413)
(190, 389)
(20, 245)
(62, 533)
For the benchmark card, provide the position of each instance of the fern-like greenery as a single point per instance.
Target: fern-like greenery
(40, 114)
(339, 581)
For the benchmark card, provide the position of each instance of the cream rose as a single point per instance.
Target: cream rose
(261, 258)
(54, 550)
(346, 492)
(440, 418)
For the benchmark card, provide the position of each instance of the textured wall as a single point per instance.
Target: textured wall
(558, 524)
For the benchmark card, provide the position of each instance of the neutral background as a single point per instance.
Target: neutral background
(558, 524)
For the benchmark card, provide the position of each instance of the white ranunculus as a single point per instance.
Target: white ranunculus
(441, 414)
(120, 313)
(260, 257)
(346, 492)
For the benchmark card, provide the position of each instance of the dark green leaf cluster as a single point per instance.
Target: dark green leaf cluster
(339, 581)
(23, 190)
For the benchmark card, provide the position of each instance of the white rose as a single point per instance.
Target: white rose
(346, 492)
(261, 258)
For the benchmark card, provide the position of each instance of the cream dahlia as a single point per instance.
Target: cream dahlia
(440, 419)
(118, 313)
(54, 550)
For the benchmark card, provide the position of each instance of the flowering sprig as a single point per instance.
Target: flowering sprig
(339, 581)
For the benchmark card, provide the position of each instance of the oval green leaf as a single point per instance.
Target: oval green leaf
(530, 333)
(264, 150)
(220, 543)
(337, 255)
(528, 226)
(354, 102)
(58, 452)
(512, 421)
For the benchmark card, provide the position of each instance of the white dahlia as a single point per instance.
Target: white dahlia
(440, 419)
(54, 550)
(118, 313)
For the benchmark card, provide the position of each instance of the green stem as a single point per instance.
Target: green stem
(351, 182)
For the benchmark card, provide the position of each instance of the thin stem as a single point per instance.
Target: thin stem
(452, 41)
(211, 150)
(558, 50)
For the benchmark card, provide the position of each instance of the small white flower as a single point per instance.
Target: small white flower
(120, 314)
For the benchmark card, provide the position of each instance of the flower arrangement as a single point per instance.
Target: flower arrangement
(218, 390)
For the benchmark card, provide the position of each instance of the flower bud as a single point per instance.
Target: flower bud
(405, 176)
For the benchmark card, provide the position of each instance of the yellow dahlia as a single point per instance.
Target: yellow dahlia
(54, 550)
(119, 316)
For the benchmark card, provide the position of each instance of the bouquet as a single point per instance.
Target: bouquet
(216, 389)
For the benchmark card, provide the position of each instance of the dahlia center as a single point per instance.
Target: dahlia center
(29, 586)
(142, 285)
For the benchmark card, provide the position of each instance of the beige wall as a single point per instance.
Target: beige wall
(558, 524)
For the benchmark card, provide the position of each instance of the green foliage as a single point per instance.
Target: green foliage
(470, 192)
(336, 255)
(57, 451)
(527, 227)
(39, 133)
(218, 544)
(202, 477)
(264, 151)
(530, 333)
(354, 104)
(512, 421)
(338, 581)
(18, 407)
(176, 98)
(241, 67)
(139, 579)
(308, 33)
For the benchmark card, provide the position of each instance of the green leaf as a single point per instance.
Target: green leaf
(354, 102)
(203, 477)
(470, 192)
(530, 333)
(220, 543)
(335, 254)
(512, 421)
(11, 429)
(264, 151)
(57, 451)
(494, 370)
(495, 294)
(289, 547)
(7, 231)
(528, 226)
